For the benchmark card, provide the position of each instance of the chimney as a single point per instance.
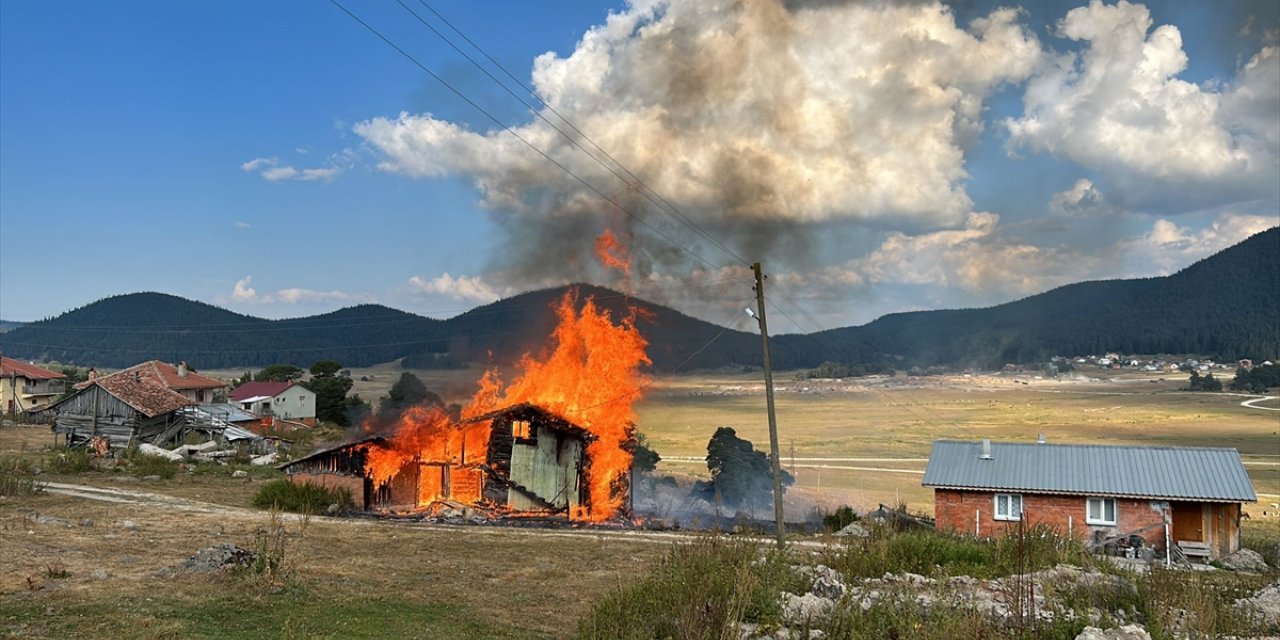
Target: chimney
(986, 450)
(1041, 439)
(93, 374)
(182, 369)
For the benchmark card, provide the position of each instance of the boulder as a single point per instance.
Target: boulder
(239, 473)
(855, 530)
(1127, 632)
(1245, 560)
(805, 609)
(219, 557)
(264, 461)
(1263, 606)
(129, 525)
(828, 583)
(148, 449)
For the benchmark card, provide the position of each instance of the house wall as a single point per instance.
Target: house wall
(197, 395)
(353, 484)
(96, 412)
(955, 511)
(549, 468)
(19, 393)
(294, 403)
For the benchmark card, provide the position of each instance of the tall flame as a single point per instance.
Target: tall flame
(612, 253)
(591, 377)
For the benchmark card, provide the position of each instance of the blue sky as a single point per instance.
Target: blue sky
(279, 160)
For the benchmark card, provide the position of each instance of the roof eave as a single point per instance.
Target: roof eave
(1101, 494)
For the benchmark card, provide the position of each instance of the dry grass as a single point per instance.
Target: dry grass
(470, 582)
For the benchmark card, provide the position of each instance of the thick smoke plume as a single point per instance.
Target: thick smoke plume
(762, 121)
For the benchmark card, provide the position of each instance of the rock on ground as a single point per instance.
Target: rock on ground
(218, 557)
(148, 449)
(1245, 560)
(800, 610)
(855, 530)
(1127, 632)
(239, 473)
(1263, 605)
(262, 461)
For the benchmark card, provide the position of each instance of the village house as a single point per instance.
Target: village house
(284, 400)
(178, 378)
(26, 388)
(521, 458)
(153, 402)
(1186, 497)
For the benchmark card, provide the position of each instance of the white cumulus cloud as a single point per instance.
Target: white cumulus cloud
(243, 292)
(460, 288)
(1118, 105)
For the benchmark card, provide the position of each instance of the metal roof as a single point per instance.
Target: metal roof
(1170, 473)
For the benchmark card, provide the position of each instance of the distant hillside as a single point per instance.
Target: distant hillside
(1227, 306)
(10, 325)
(123, 330)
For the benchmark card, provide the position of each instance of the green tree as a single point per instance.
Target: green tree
(331, 392)
(408, 391)
(741, 475)
(326, 368)
(279, 373)
(644, 459)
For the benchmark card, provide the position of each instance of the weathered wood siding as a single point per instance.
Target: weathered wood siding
(550, 468)
(96, 412)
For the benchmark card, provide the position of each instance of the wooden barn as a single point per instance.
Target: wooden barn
(532, 460)
(142, 407)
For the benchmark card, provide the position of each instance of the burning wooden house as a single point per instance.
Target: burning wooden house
(520, 458)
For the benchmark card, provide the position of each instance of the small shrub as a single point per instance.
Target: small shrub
(56, 570)
(696, 592)
(16, 480)
(300, 498)
(143, 465)
(70, 460)
(839, 519)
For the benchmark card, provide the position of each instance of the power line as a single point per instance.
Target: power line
(640, 185)
(508, 129)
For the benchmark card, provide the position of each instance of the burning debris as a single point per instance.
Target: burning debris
(558, 439)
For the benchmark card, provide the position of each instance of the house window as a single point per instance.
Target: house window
(520, 429)
(1100, 511)
(1008, 506)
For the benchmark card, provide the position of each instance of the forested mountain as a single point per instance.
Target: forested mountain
(122, 330)
(9, 325)
(1226, 306)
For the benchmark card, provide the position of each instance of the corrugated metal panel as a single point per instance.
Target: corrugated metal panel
(1177, 473)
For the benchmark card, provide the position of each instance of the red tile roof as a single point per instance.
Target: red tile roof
(164, 375)
(143, 394)
(251, 389)
(9, 367)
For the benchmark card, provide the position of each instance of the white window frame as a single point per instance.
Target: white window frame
(1102, 509)
(1009, 499)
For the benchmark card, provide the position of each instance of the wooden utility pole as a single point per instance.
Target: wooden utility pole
(768, 395)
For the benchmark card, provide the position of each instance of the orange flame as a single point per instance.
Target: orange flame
(591, 377)
(612, 253)
(425, 433)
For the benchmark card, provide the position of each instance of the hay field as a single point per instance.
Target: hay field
(864, 437)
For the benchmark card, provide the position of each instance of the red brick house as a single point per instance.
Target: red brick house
(1186, 496)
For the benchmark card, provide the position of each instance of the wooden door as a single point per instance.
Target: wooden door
(1188, 521)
